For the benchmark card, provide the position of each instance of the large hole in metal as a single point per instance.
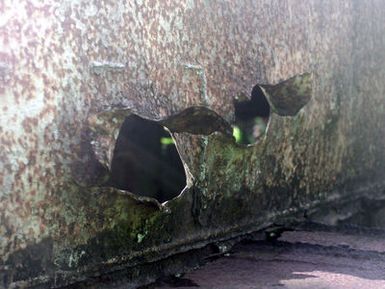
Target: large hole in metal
(146, 161)
(251, 117)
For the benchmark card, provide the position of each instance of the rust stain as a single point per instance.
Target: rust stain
(63, 62)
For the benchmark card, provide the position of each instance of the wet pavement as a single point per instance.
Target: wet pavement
(298, 260)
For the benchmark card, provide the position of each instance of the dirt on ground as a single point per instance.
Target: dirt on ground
(319, 259)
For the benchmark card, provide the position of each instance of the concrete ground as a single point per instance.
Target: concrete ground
(298, 260)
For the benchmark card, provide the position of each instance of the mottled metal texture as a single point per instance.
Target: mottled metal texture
(290, 96)
(64, 64)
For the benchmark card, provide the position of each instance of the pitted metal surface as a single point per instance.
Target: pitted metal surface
(63, 63)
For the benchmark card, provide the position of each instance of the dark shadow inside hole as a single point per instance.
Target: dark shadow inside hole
(251, 117)
(146, 161)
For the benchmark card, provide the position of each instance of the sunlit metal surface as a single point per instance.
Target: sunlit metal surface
(64, 64)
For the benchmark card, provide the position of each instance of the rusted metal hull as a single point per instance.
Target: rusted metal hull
(63, 64)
